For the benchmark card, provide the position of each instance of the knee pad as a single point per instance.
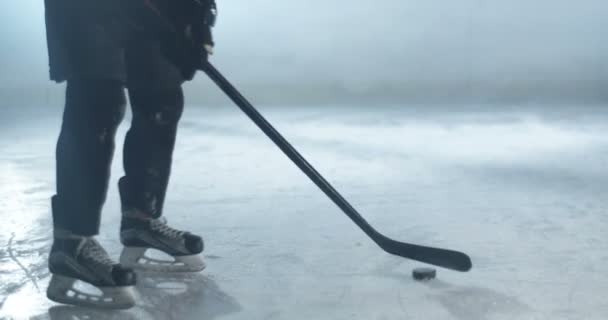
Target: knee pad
(160, 110)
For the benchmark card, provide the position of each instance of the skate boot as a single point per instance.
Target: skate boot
(139, 234)
(74, 258)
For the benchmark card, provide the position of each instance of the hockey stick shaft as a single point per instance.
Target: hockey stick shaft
(439, 257)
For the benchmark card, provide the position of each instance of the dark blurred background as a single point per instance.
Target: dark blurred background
(390, 52)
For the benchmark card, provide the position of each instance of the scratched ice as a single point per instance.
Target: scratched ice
(523, 191)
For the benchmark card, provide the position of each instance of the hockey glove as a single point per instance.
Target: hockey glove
(199, 36)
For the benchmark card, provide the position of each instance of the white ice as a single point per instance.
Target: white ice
(522, 190)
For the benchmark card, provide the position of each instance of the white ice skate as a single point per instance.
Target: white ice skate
(140, 235)
(75, 259)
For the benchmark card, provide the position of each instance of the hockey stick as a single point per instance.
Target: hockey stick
(439, 257)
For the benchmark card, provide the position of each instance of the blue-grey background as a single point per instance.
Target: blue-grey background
(478, 126)
(393, 51)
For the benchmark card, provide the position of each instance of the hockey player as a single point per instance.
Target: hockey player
(99, 48)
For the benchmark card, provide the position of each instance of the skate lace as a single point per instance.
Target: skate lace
(94, 251)
(160, 225)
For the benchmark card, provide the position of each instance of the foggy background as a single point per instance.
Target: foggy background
(367, 52)
(471, 125)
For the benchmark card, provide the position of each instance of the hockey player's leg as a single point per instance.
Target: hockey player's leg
(148, 153)
(93, 111)
(157, 102)
(148, 149)
(94, 108)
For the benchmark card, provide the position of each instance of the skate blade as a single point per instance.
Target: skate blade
(136, 258)
(61, 289)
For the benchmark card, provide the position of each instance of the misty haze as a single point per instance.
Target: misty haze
(477, 126)
(290, 52)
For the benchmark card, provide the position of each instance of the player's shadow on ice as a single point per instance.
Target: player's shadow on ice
(162, 296)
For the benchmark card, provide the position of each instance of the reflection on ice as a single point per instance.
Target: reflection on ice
(524, 193)
(161, 297)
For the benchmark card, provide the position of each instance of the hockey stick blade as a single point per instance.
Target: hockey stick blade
(439, 257)
(444, 258)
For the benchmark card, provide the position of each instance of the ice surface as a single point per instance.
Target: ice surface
(523, 191)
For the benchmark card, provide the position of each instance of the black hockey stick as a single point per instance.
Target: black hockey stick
(439, 257)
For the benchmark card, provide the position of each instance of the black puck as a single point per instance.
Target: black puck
(424, 274)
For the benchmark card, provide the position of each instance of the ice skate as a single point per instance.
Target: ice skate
(139, 235)
(74, 259)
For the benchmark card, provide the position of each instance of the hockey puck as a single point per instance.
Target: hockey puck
(424, 274)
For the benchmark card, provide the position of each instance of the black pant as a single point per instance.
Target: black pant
(93, 111)
(94, 107)
(99, 55)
